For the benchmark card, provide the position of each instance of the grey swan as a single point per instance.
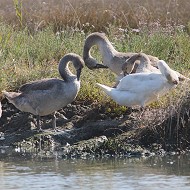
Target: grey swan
(44, 97)
(144, 66)
(112, 59)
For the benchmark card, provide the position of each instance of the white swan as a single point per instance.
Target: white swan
(144, 66)
(112, 59)
(143, 88)
(44, 97)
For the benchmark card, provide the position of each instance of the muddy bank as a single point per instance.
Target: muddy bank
(88, 130)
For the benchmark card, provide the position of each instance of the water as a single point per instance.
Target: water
(21, 171)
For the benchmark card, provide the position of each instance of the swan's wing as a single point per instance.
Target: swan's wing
(44, 84)
(147, 69)
(129, 81)
(141, 82)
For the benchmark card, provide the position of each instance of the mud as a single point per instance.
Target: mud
(88, 130)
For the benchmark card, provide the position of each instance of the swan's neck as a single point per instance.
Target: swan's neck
(144, 61)
(64, 71)
(168, 73)
(106, 49)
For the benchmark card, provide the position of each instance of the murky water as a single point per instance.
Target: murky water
(31, 172)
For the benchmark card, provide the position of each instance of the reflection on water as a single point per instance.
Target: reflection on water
(28, 171)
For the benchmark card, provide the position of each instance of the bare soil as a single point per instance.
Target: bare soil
(88, 129)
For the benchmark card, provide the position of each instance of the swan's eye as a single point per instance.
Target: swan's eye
(175, 82)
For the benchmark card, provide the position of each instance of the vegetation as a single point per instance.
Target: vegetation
(26, 57)
(34, 35)
(93, 15)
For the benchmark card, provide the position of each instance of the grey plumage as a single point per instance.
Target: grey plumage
(112, 59)
(44, 97)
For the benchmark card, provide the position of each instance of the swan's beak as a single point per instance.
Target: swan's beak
(78, 73)
(100, 66)
(125, 73)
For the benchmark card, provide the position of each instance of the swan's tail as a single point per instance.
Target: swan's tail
(105, 88)
(6, 94)
(10, 95)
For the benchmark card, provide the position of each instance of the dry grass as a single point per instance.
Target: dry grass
(170, 130)
(93, 15)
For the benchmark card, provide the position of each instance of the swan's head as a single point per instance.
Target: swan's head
(130, 63)
(78, 68)
(78, 64)
(91, 63)
(128, 66)
(170, 75)
(182, 77)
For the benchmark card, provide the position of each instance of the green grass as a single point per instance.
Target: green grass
(35, 35)
(26, 57)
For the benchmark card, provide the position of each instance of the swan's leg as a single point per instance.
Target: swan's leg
(142, 109)
(0, 110)
(54, 121)
(38, 123)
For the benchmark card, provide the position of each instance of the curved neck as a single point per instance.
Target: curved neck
(64, 71)
(130, 66)
(167, 72)
(106, 49)
(144, 62)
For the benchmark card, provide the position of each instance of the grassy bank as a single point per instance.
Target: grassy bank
(26, 57)
(35, 35)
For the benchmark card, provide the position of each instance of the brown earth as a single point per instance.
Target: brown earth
(89, 129)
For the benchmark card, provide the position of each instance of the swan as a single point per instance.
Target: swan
(140, 89)
(45, 96)
(112, 59)
(144, 66)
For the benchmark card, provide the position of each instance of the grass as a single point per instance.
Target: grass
(93, 15)
(26, 57)
(34, 36)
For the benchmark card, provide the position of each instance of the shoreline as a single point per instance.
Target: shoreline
(89, 132)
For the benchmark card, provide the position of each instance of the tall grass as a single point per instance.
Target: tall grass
(93, 15)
